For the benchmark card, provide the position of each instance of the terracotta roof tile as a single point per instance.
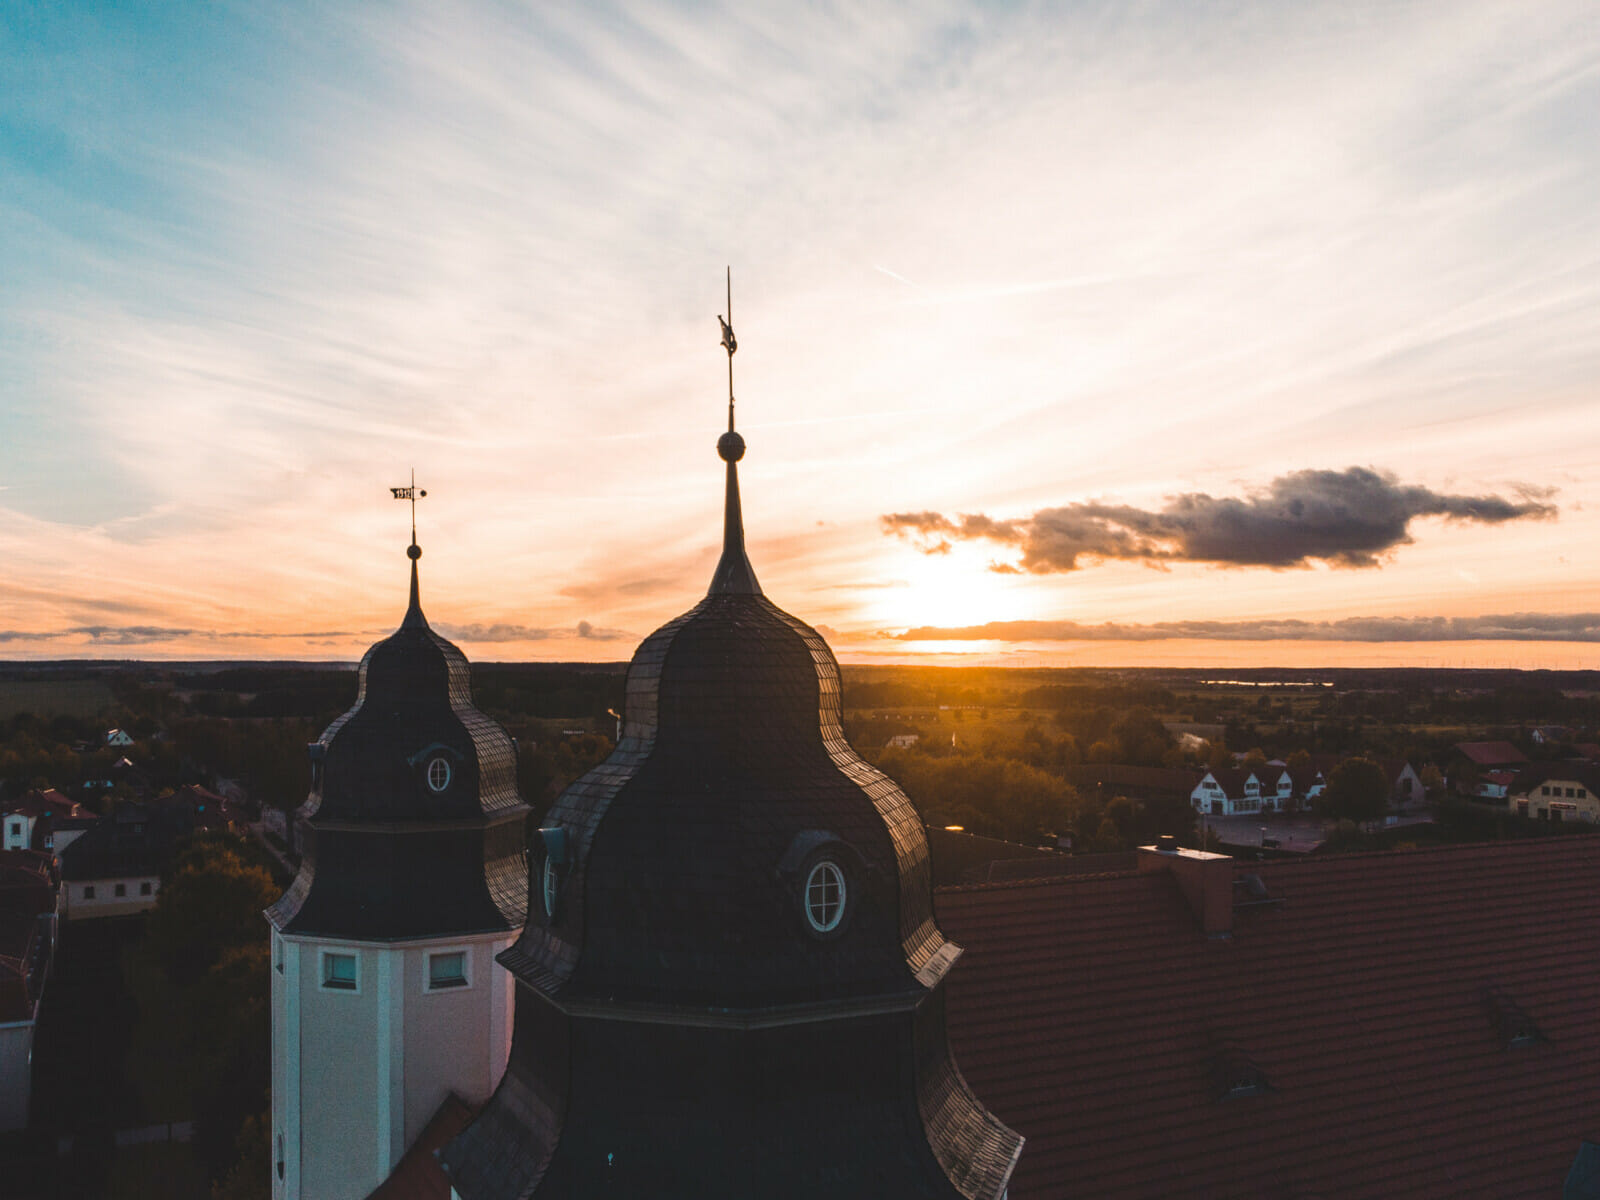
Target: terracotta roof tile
(417, 1175)
(1492, 754)
(1087, 1013)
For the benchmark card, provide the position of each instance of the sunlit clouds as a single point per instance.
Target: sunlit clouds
(1057, 260)
(1356, 518)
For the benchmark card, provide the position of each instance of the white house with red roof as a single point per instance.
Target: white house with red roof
(17, 820)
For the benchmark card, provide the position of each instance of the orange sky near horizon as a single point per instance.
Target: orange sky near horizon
(1161, 321)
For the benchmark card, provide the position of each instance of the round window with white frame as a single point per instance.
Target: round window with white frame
(551, 886)
(439, 773)
(825, 896)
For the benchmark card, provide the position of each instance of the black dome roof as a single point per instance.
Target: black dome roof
(696, 1033)
(414, 814)
(680, 868)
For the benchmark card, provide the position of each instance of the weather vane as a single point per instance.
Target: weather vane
(412, 494)
(730, 343)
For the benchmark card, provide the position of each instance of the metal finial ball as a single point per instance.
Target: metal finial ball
(413, 552)
(730, 446)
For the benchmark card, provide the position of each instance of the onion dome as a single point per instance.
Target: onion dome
(731, 978)
(413, 827)
(687, 857)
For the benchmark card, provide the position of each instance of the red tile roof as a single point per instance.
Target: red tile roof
(1492, 754)
(27, 872)
(1091, 1015)
(38, 802)
(417, 1175)
(19, 934)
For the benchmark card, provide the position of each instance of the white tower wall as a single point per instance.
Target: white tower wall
(357, 1073)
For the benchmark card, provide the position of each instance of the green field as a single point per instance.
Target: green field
(54, 697)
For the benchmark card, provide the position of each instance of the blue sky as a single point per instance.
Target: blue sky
(997, 260)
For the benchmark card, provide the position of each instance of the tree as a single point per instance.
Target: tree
(210, 901)
(1357, 790)
(250, 1176)
(233, 1031)
(1139, 737)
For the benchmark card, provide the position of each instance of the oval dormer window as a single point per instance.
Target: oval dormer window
(551, 881)
(825, 896)
(439, 773)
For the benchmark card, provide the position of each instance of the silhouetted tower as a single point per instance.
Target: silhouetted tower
(385, 995)
(730, 983)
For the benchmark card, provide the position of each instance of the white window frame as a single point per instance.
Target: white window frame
(815, 878)
(442, 763)
(550, 886)
(325, 953)
(466, 970)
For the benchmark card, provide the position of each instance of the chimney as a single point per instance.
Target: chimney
(1206, 880)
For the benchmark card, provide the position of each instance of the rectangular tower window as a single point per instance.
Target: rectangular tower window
(447, 969)
(339, 971)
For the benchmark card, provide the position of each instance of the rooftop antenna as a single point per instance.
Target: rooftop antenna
(730, 343)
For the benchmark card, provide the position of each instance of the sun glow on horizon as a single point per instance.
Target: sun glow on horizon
(948, 590)
(988, 260)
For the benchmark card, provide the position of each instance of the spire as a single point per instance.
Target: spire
(734, 575)
(413, 552)
(414, 609)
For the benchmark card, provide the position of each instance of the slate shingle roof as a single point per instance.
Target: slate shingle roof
(1091, 1015)
(680, 1030)
(388, 856)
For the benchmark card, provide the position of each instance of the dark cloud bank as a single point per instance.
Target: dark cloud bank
(1349, 518)
(1507, 627)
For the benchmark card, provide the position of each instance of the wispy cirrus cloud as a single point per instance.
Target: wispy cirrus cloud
(311, 247)
(146, 635)
(1504, 627)
(1350, 518)
(510, 632)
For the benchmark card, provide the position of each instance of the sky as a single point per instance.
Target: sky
(1069, 334)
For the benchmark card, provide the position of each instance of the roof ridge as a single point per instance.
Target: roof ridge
(1036, 881)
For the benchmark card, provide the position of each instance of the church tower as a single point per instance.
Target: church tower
(385, 994)
(730, 983)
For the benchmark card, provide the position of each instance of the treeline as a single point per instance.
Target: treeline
(205, 959)
(978, 687)
(998, 782)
